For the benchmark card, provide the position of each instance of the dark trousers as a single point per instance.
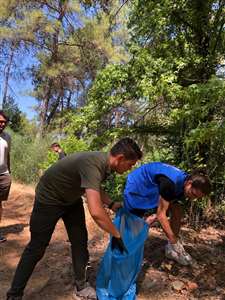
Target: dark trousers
(42, 224)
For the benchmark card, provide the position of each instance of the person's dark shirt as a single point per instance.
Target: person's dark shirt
(167, 189)
(62, 154)
(66, 180)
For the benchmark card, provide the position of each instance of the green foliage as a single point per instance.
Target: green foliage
(30, 156)
(50, 159)
(221, 208)
(28, 127)
(26, 155)
(114, 186)
(159, 154)
(14, 114)
(168, 92)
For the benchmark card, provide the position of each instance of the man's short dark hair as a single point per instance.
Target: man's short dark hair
(4, 115)
(54, 145)
(128, 147)
(201, 181)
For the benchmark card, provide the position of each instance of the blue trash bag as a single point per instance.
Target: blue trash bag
(117, 274)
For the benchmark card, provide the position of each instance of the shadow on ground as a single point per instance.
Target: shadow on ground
(15, 228)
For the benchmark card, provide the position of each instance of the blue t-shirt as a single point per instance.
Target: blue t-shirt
(142, 187)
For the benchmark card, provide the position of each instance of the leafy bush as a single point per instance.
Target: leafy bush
(30, 155)
(114, 186)
(26, 155)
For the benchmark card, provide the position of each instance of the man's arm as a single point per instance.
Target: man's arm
(99, 214)
(162, 218)
(105, 198)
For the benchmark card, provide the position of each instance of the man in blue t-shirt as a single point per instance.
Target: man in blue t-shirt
(161, 187)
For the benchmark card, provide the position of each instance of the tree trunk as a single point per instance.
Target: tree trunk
(44, 119)
(7, 75)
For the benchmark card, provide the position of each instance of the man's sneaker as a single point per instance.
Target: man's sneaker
(14, 297)
(2, 239)
(182, 258)
(86, 293)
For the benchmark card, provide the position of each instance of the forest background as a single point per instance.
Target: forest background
(105, 69)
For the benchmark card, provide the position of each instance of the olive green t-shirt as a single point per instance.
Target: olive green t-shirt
(65, 182)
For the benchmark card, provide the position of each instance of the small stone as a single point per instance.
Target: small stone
(171, 277)
(149, 284)
(178, 285)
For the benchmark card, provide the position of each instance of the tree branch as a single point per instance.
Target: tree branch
(119, 9)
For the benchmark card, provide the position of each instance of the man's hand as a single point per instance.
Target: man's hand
(151, 219)
(115, 206)
(178, 247)
(176, 252)
(118, 243)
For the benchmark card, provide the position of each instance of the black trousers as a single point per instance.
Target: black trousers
(42, 224)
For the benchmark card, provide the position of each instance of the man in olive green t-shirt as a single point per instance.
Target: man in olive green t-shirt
(58, 195)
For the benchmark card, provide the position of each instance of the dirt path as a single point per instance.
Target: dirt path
(160, 279)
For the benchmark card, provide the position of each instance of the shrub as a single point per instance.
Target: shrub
(26, 155)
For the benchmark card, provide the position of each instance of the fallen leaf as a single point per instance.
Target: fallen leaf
(166, 266)
(191, 285)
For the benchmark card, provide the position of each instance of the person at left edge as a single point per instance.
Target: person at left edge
(58, 195)
(5, 178)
